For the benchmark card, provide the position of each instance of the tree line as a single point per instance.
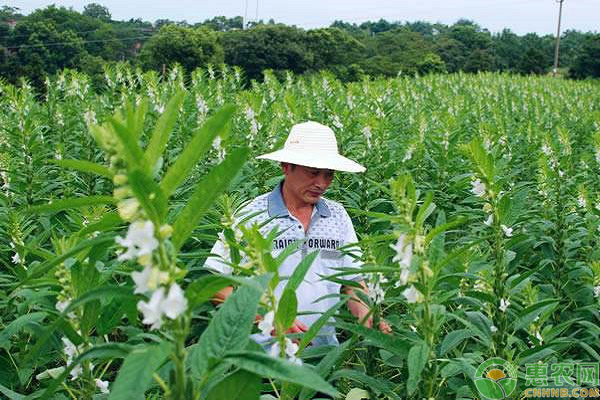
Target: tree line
(52, 38)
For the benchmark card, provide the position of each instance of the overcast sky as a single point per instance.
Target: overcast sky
(521, 16)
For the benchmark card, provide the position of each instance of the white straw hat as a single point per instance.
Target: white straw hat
(313, 145)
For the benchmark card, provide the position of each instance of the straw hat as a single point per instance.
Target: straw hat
(313, 145)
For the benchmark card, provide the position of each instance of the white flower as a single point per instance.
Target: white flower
(152, 310)
(403, 252)
(539, 337)
(290, 351)
(597, 291)
(75, 372)
(102, 385)
(148, 279)
(507, 231)
(493, 329)
(62, 305)
(561, 173)
(404, 276)
(140, 240)
(546, 149)
(266, 324)
(504, 305)
(412, 295)
(598, 155)
(367, 134)
(175, 303)
(16, 259)
(478, 188)
(581, 200)
(250, 113)
(337, 123)
(489, 220)
(375, 292)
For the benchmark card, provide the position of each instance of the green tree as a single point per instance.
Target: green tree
(190, 47)
(96, 10)
(276, 47)
(587, 63)
(335, 50)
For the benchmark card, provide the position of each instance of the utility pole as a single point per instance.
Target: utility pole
(245, 16)
(557, 47)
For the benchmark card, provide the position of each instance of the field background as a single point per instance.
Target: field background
(533, 141)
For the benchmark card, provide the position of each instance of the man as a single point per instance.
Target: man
(296, 207)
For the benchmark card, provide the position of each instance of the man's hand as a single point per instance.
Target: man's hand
(297, 327)
(360, 310)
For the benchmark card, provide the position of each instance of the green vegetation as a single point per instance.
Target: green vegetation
(478, 218)
(50, 39)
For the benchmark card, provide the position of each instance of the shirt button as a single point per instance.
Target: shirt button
(299, 226)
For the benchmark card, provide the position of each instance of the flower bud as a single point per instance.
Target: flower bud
(128, 208)
(122, 192)
(165, 231)
(120, 179)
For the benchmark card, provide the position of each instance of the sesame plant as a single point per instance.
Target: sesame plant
(478, 219)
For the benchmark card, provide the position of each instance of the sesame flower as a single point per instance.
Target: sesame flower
(102, 385)
(290, 351)
(597, 291)
(493, 329)
(507, 231)
(489, 220)
(16, 259)
(152, 309)
(403, 252)
(504, 305)
(478, 188)
(266, 324)
(148, 279)
(175, 303)
(412, 295)
(139, 241)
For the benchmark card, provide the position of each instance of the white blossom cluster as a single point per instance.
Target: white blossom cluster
(404, 254)
(140, 243)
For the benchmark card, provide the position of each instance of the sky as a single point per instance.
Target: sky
(521, 16)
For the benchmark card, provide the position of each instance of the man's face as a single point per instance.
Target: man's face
(306, 184)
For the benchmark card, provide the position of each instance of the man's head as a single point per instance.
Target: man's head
(313, 145)
(306, 184)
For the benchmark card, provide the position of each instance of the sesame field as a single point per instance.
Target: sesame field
(478, 220)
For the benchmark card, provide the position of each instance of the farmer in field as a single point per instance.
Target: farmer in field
(296, 207)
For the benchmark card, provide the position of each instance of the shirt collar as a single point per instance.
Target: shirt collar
(276, 206)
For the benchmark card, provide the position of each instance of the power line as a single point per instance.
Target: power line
(78, 32)
(76, 42)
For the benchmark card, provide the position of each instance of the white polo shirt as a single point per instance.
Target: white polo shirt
(330, 228)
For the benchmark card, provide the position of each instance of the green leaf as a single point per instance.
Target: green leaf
(528, 314)
(425, 210)
(151, 197)
(417, 360)
(162, 130)
(195, 149)
(15, 326)
(393, 343)
(357, 394)
(453, 339)
(203, 289)
(264, 365)
(10, 394)
(84, 166)
(379, 385)
(205, 193)
(135, 375)
(314, 329)
(132, 152)
(101, 293)
(324, 367)
(286, 310)
(300, 271)
(229, 329)
(241, 385)
(107, 222)
(64, 204)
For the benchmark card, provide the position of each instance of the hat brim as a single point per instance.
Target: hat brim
(315, 159)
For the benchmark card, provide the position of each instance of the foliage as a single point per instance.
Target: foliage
(478, 221)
